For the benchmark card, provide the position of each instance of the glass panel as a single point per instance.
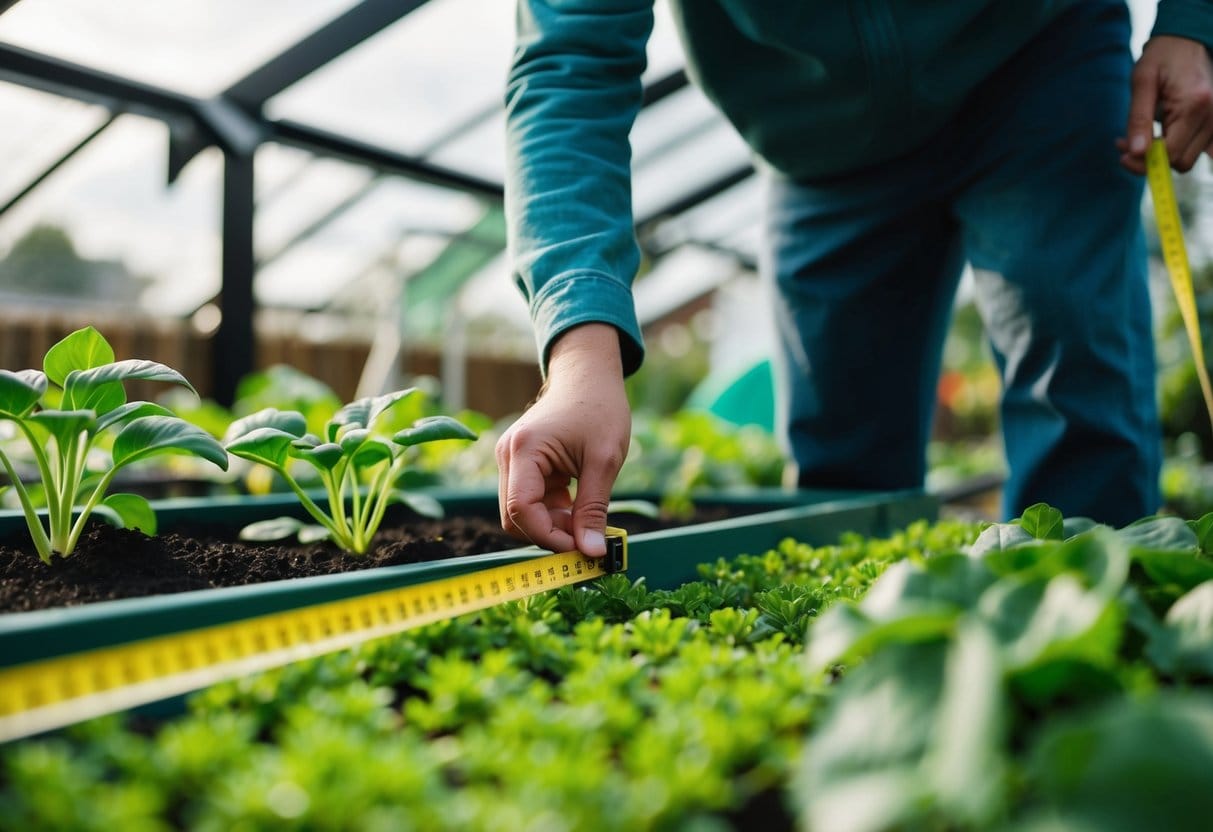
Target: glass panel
(423, 83)
(125, 224)
(38, 129)
(436, 67)
(198, 47)
(366, 241)
(687, 166)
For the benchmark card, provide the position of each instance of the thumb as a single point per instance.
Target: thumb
(590, 511)
(1143, 102)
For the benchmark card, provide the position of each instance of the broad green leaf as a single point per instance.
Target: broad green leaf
(323, 456)
(371, 452)
(861, 768)
(1173, 568)
(1184, 645)
(131, 510)
(102, 398)
(1160, 533)
(20, 391)
(269, 446)
(1131, 765)
(432, 428)
(999, 537)
(352, 439)
(95, 388)
(151, 435)
(1043, 522)
(965, 762)
(284, 421)
(1100, 557)
(279, 528)
(362, 413)
(844, 634)
(81, 350)
(1074, 526)
(1039, 621)
(1203, 529)
(953, 580)
(129, 411)
(65, 425)
(422, 504)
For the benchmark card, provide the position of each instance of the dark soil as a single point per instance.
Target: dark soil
(114, 563)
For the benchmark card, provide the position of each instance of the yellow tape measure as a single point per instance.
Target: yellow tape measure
(1175, 255)
(42, 695)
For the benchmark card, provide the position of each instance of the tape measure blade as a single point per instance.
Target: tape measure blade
(44, 695)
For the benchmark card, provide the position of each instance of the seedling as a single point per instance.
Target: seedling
(349, 455)
(65, 410)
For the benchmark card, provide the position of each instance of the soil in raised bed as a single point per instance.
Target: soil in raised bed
(112, 563)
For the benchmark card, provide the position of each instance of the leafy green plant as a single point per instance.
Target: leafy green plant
(65, 411)
(348, 456)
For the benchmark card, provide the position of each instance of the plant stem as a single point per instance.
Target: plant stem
(87, 510)
(382, 495)
(48, 476)
(341, 537)
(41, 543)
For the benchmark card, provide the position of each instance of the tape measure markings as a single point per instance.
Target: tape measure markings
(1175, 255)
(41, 695)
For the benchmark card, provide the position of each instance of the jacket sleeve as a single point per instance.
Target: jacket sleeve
(1186, 19)
(573, 92)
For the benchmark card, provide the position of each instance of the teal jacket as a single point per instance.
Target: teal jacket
(817, 89)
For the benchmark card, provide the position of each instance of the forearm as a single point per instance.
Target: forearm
(573, 93)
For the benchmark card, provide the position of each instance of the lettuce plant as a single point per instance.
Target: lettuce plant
(349, 455)
(67, 412)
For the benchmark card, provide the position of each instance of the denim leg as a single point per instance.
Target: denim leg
(1052, 226)
(863, 274)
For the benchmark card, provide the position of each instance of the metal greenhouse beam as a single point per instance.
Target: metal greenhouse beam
(317, 49)
(326, 143)
(233, 348)
(54, 166)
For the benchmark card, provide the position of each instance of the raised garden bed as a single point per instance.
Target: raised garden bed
(1043, 675)
(661, 558)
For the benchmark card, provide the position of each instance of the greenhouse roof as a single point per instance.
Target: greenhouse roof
(310, 143)
(373, 121)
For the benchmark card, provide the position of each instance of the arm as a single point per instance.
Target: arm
(573, 93)
(1173, 83)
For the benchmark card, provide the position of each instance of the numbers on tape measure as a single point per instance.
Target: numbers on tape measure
(224, 650)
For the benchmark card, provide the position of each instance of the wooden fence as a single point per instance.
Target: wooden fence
(497, 386)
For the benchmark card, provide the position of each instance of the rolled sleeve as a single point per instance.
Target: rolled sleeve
(1191, 19)
(573, 93)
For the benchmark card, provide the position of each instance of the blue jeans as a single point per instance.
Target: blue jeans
(1025, 185)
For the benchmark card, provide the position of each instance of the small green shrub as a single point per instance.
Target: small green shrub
(348, 457)
(65, 410)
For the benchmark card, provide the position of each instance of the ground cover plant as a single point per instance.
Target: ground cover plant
(74, 409)
(1046, 674)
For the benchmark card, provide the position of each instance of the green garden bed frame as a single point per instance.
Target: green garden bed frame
(664, 559)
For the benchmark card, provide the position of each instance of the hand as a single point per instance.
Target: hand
(1173, 82)
(578, 429)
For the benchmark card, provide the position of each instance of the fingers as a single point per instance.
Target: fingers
(534, 504)
(1173, 82)
(1189, 143)
(1143, 103)
(590, 508)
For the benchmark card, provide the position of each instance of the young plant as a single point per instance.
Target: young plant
(349, 455)
(64, 411)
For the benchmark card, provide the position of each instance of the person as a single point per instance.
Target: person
(896, 143)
